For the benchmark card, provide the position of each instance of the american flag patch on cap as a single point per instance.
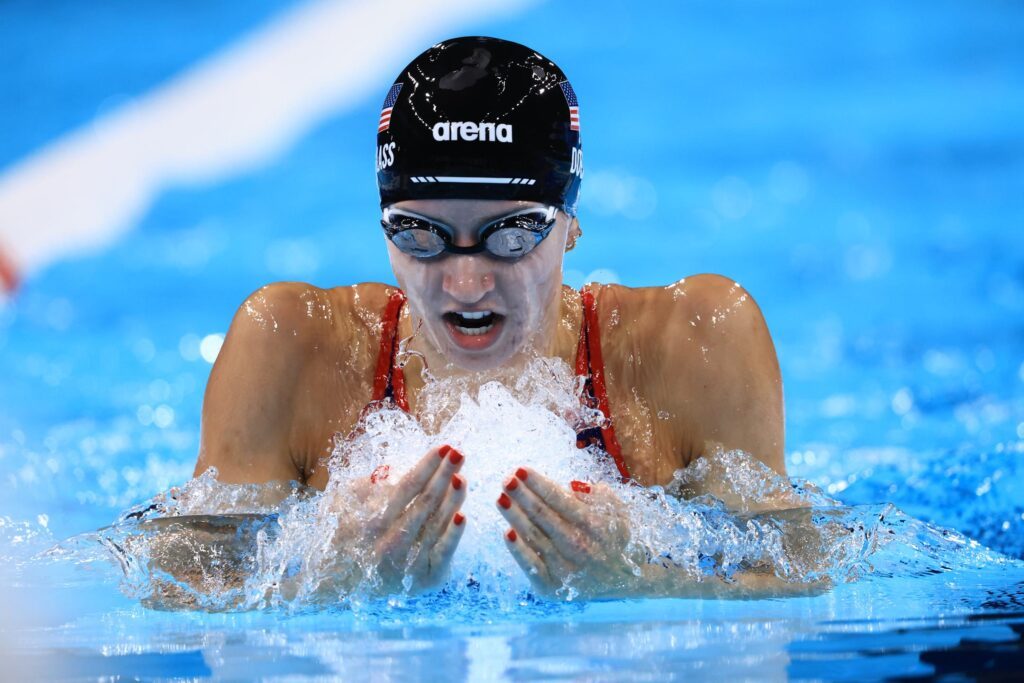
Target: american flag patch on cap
(574, 106)
(389, 104)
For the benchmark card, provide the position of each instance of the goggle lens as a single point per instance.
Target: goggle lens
(510, 237)
(418, 242)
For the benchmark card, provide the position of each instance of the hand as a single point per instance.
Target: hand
(575, 538)
(417, 529)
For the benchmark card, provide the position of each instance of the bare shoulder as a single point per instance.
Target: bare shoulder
(713, 362)
(299, 314)
(707, 308)
(292, 351)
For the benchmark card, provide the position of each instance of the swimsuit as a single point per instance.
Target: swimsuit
(389, 379)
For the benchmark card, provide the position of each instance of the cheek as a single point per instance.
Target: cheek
(532, 284)
(418, 280)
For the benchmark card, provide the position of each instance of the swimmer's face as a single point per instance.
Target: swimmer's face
(479, 312)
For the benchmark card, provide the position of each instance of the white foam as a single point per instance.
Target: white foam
(313, 552)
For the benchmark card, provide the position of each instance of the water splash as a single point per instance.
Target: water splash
(721, 521)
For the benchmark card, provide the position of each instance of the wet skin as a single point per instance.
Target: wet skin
(689, 367)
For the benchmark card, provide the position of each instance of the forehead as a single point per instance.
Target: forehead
(463, 212)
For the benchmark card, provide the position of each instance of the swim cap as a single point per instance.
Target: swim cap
(480, 118)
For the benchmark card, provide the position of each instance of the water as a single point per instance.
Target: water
(859, 173)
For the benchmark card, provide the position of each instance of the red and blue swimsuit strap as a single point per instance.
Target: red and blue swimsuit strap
(590, 362)
(388, 378)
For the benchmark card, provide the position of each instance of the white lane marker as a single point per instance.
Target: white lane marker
(242, 107)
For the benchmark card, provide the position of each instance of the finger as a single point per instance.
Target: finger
(442, 515)
(532, 536)
(566, 505)
(435, 525)
(572, 541)
(426, 503)
(412, 483)
(529, 561)
(442, 552)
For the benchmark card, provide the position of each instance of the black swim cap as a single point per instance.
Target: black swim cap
(480, 118)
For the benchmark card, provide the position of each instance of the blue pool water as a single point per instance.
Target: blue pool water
(859, 170)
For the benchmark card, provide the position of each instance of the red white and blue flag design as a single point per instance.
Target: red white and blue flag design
(574, 106)
(389, 104)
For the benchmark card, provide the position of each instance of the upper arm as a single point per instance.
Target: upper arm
(730, 389)
(248, 406)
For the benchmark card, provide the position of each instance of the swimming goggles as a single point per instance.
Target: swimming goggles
(508, 238)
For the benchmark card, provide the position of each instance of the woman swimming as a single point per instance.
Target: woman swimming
(479, 166)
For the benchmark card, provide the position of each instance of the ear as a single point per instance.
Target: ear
(575, 232)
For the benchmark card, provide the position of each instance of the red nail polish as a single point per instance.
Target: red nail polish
(456, 482)
(580, 486)
(522, 473)
(504, 501)
(455, 456)
(511, 535)
(511, 484)
(444, 451)
(458, 519)
(380, 473)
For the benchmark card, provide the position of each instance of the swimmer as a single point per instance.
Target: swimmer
(479, 167)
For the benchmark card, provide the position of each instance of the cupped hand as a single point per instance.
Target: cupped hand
(411, 540)
(573, 537)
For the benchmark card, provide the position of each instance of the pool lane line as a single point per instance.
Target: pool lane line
(9, 278)
(241, 108)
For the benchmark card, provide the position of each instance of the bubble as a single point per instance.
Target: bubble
(163, 416)
(188, 347)
(614, 192)
(902, 401)
(209, 347)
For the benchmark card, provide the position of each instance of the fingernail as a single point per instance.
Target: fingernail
(458, 519)
(380, 473)
(444, 451)
(511, 535)
(455, 456)
(504, 501)
(456, 482)
(521, 473)
(511, 484)
(580, 486)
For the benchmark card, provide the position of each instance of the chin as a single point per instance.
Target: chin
(479, 360)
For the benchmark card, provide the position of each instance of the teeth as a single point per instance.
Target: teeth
(473, 331)
(474, 315)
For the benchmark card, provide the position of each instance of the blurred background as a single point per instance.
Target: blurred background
(859, 168)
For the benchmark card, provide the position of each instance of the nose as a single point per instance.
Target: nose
(468, 279)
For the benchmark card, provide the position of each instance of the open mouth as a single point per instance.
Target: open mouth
(473, 329)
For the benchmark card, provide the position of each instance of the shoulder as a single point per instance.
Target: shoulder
(704, 307)
(293, 329)
(709, 359)
(298, 313)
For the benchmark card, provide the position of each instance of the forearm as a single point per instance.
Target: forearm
(670, 581)
(224, 562)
